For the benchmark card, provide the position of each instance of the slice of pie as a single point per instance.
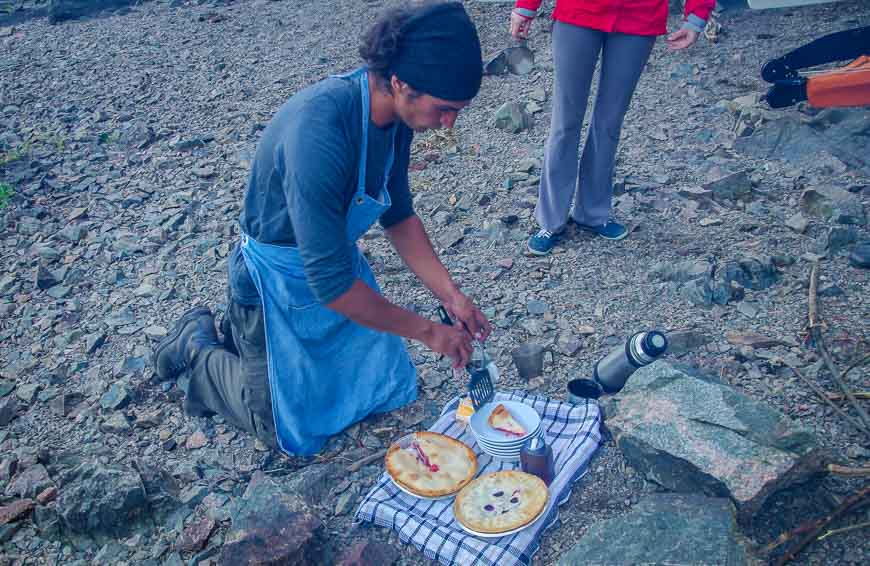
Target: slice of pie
(431, 464)
(501, 420)
(501, 501)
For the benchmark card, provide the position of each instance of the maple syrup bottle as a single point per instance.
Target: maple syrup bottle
(536, 458)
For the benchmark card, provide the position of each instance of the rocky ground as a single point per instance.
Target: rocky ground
(124, 149)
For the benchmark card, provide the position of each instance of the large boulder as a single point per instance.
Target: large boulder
(313, 483)
(833, 203)
(704, 284)
(15, 510)
(369, 553)
(691, 433)
(272, 526)
(8, 410)
(840, 133)
(102, 500)
(29, 483)
(665, 529)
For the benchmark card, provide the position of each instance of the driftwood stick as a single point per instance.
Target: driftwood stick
(813, 532)
(847, 471)
(786, 537)
(847, 391)
(366, 460)
(845, 530)
(816, 333)
(856, 363)
(813, 296)
(824, 397)
(857, 394)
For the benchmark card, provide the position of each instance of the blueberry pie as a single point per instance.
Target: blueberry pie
(500, 502)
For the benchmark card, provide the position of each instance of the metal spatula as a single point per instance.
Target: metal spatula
(480, 387)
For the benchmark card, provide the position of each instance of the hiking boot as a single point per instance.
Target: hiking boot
(226, 328)
(860, 256)
(193, 332)
(610, 231)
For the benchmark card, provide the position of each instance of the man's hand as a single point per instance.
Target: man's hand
(364, 306)
(681, 39)
(452, 341)
(410, 240)
(520, 26)
(461, 309)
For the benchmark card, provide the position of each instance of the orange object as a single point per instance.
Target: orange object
(846, 86)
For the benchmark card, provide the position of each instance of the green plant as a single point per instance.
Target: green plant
(109, 137)
(6, 192)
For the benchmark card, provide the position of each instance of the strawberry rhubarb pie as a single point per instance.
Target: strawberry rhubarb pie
(431, 464)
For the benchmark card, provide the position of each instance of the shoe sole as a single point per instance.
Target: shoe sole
(536, 252)
(176, 332)
(600, 235)
(616, 239)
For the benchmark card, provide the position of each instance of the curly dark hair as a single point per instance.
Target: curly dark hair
(381, 42)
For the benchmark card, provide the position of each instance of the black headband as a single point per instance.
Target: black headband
(439, 53)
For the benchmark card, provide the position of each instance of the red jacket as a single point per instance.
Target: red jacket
(636, 17)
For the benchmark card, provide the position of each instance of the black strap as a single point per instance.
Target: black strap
(839, 46)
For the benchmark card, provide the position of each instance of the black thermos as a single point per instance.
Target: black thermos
(614, 369)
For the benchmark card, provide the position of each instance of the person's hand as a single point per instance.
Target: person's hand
(520, 26)
(451, 341)
(681, 39)
(462, 310)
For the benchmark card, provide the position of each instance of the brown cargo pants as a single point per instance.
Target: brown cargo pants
(232, 380)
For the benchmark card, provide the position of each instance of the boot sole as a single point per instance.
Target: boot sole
(176, 332)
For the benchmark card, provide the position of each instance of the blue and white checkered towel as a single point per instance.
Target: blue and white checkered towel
(573, 433)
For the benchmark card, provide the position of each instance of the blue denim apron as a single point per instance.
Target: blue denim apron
(327, 372)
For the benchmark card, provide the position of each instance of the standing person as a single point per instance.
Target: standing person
(313, 345)
(623, 33)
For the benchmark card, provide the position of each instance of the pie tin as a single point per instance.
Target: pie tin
(405, 442)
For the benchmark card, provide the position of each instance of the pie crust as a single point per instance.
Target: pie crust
(500, 502)
(442, 466)
(503, 421)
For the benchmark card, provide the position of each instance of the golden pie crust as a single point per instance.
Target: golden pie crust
(503, 421)
(455, 462)
(501, 501)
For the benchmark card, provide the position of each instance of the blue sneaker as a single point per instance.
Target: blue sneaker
(610, 231)
(542, 242)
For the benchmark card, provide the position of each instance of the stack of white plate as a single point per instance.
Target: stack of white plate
(500, 445)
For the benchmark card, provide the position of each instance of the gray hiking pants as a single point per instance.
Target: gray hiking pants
(235, 384)
(575, 54)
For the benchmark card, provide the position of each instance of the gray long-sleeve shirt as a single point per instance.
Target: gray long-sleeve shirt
(302, 181)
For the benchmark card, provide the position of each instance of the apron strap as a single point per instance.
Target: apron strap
(364, 144)
(366, 109)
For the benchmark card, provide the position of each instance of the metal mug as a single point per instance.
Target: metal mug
(529, 359)
(580, 390)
